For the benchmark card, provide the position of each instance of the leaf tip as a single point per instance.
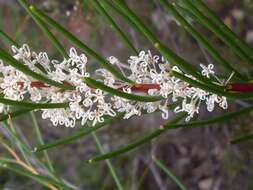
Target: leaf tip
(157, 45)
(31, 7)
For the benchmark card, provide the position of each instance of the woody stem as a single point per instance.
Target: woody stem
(233, 87)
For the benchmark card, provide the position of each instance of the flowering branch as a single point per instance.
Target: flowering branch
(94, 99)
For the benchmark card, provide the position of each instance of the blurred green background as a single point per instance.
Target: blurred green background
(202, 157)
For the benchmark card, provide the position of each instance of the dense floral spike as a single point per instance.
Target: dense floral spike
(151, 74)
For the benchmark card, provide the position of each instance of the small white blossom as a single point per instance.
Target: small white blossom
(207, 70)
(2, 106)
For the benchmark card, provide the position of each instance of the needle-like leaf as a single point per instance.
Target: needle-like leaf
(99, 5)
(242, 139)
(44, 28)
(14, 114)
(26, 70)
(169, 173)
(31, 105)
(79, 44)
(213, 16)
(215, 54)
(78, 134)
(110, 6)
(231, 42)
(41, 141)
(166, 52)
(7, 38)
(108, 162)
(4, 163)
(169, 126)
(140, 141)
(219, 91)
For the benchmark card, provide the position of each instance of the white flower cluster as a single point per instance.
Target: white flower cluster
(151, 73)
(155, 71)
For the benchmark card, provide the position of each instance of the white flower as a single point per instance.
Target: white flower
(2, 106)
(131, 110)
(211, 101)
(166, 89)
(77, 109)
(151, 106)
(85, 117)
(165, 111)
(109, 79)
(106, 108)
(223, 103)
(35, 94)
(22, 53)
(191, 108)
(113, 60)
(207, 70)
(96, 116)
(43, 60)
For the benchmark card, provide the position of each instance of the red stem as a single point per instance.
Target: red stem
(36, 84)
(240, 87)
(141, 87)
(135, 88)
(234, 87)
(145, 87)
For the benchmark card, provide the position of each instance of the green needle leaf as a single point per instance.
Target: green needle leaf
(166, 52)
(30, 105)
(169, 173)
(77, 135)
(100, 85)
(219, 119)
(11, 42)
(24, 148)
(212, 15)
(108, 162)
(26, 70)
(231, 42)
(102, 10)
(242, 139)
(170, 8)
(14, 114)
(219, 91)
(135, 144)
(110, 6)
(7, 38)
(170, 125)
(4, 163)
(79, 44)
(83, 132)
(41, 141)
(44, 28)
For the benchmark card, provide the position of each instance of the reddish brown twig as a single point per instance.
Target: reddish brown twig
(135, 88)
(144, 87)
(240, 87)
(36, 84)
(234, 87)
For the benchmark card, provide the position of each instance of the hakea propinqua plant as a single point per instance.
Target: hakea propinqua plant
(151, 73)
(65, 91)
